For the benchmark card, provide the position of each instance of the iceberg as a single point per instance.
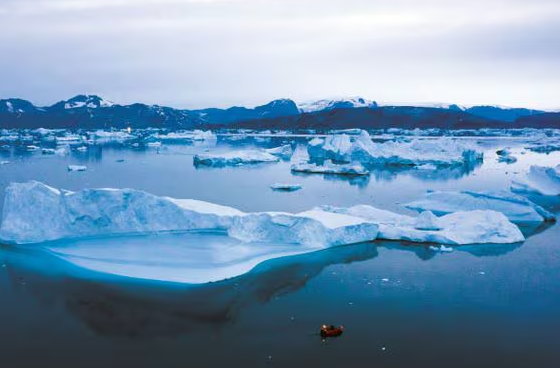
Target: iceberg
(285, 152)
(77, 168)
(459, 228)
(506, 156)
(35, 212)
(286, 187)
(345, 148)
(233, 158)
(516, 208)
(329, 167)
(540, 180)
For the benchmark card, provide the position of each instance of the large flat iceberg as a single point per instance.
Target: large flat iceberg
(459, 228)
(517, 209)
(540, 180)
(361, 148)
(35, 212)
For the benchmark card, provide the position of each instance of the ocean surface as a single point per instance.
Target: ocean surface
(402, 304)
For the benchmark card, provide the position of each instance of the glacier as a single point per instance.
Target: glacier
(516, 208)
(329, 167)
(459, 228)
(233, 158)
(361, 148)
(540, 180)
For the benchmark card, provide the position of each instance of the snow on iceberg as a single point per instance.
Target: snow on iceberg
(329, 167)
(233, 158)
(35, 212)
(459, 228)
(345, 148)
(516, 208)
(540, 180)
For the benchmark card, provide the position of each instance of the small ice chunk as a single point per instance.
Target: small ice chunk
(77, 168)
(442, 249)
(4, 162)
(286, 187)
(32, 148)
(82, 149)
(154, 144)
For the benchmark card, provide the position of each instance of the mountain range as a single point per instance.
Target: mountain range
(93, 112)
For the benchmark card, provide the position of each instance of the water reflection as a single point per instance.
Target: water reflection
(120, 307)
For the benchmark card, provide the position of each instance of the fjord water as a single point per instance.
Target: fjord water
(402, 304)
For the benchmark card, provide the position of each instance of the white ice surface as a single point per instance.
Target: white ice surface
(516, 208)
(459, 228)
(541, 180)
(233, 158)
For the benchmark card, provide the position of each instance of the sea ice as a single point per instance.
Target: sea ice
(329, 167)
(233, 158)
(459, 228)
(506, 156)
(541, 180)
(516, 208)
(441, 151)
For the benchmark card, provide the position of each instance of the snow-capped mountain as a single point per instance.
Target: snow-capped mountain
(83, 101)
(93, 112)
(342, 103)
(16, 106)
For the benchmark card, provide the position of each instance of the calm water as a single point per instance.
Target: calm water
(402, 304)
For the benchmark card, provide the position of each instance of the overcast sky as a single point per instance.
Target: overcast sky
(201, 53)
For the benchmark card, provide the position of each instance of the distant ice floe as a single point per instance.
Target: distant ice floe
(328, 167)
(77, 168)
(516, 208)
(4, 163)
(361, 148)
(459, 228)
(286, 187)
(540, 180)
(196, 135)
(233, 158)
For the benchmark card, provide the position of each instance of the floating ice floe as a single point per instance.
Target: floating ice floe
(329, 167)
(540, 180)
(32, 148)
(35, 212)
(506, 156)
(286, 187)
(441, 249)
(233, 158)
(441, 152)
(285, 152)
(154, 144)
(4, 162)
(516, 208)
(77, 168)
(459, 228)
